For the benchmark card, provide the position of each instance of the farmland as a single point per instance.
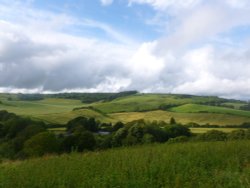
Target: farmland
(159, 107)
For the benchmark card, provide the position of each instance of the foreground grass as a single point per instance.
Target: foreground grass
(214, 164)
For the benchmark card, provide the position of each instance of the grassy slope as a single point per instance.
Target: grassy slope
(51, 110)
(236, 105)
(40, 107)
(60, 110)
(162, 165)
(194, 108)
(64, 117)
(144, 102)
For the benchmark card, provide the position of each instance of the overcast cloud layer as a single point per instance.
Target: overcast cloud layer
(202, 48)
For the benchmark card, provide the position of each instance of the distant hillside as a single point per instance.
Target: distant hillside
(127, 106)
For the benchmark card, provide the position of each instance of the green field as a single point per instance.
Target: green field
(195, 108)
(147, 102)
(217, 164)
(200, 118)
(139, 106)
(51, 110)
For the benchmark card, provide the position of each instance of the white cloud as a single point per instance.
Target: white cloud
(164, 4)
(186, 59)
(238, 3)
(106, 2)
(47, 59)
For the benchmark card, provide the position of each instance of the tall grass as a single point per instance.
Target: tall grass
(214, 164)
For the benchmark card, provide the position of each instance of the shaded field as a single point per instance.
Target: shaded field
(159, 165)
(204, 130)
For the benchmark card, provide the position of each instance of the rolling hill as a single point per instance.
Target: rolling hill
(59, 109)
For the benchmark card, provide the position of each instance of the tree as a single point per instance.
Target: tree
(119, 136)
(88, 124)
(41, 144)
(85, 141)
(172, 121)
(177, 130)
(69, 143)
(1, 130)
(117, 126)
(79, 141)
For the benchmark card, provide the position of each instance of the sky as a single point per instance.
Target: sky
(195, 47)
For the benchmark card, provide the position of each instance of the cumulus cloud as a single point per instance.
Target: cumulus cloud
(195, 63)
(35, 59)
(64, 62)
(194, 55)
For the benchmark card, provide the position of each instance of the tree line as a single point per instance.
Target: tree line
(21, 138)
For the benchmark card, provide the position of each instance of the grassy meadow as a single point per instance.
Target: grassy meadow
(217, 164)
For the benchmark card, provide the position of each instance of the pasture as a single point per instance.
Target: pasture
(196, 108)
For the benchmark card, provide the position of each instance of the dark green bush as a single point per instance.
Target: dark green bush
(40, 144)
(213, 135)
(237, 135)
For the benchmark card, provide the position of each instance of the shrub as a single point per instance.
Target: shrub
(148, 138)
(178, 139)
(213, 135)
(117, 126)
(237, 135)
